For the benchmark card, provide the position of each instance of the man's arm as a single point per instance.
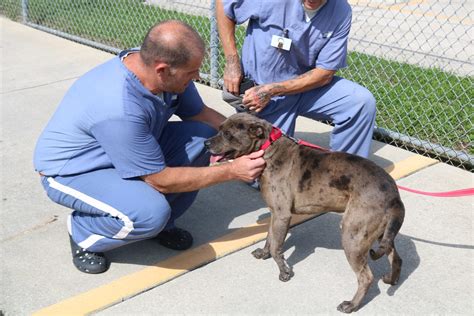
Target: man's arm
(210, 117)
(232, 70)
(258, 97)
(187, 179)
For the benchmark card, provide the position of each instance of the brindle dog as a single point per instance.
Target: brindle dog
(302, 180)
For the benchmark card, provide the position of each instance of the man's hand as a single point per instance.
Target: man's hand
(249, 167)
(257, 98)
(232, 74)
(187, 179)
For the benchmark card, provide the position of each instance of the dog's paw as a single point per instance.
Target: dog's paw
(346, 307)
(387, 279)
(260, 254)
(285, 276)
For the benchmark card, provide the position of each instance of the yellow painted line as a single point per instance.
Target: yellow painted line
(166, 270)
(161, 272)
(409, 166)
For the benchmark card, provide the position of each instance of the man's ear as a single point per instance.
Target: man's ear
(162, 68)
(257, 131)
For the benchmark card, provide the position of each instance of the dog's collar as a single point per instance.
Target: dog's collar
(274, 135)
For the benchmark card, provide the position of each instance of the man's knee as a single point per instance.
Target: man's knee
(365, 101)
(150, 219)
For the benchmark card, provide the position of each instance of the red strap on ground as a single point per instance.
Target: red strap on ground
(455, 193)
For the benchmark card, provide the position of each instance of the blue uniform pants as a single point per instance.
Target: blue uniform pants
(348, 105)
(110, 212)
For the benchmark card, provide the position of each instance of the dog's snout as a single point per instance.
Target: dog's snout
(207, 143)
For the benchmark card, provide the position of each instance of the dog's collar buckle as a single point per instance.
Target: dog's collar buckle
(275, 134)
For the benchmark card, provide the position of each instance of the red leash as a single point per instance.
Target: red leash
(455, 193)
(277, 133)
(305, 143)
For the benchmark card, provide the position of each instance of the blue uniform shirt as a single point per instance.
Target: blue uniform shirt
(109, 119)
(321, 43)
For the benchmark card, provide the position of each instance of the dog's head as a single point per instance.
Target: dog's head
(241, 134)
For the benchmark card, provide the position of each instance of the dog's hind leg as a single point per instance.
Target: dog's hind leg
(356, 249)
(279, 228)
(395, 265)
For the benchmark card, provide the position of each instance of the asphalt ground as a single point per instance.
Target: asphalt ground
(218, 275)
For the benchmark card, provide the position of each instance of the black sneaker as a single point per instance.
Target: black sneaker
(175, 238)
(87, 261)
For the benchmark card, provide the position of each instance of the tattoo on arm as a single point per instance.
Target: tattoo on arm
(277, 88)
(306, 74)
(232, 59)
(232, 66)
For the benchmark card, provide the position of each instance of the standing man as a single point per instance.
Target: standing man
(111, 155)
(291, 52)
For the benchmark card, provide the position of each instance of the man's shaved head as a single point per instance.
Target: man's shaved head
(173, 42)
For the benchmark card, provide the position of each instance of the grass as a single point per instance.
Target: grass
(428, 104)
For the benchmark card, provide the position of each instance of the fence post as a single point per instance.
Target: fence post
(24, 10)
(214, 46)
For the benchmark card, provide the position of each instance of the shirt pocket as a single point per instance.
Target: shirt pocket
(316, 45)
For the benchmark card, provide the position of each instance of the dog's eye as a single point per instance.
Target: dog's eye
(228, 135)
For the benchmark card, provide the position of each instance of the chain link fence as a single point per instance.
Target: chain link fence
(415, 56)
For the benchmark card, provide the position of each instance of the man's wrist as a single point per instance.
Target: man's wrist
(232, 58)
(276, 89)
(225, 170)
(230, 170)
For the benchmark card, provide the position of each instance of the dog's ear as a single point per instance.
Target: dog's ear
(257, 130)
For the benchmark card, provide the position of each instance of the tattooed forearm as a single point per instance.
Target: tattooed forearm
(306, 74)
(277, 88)
(309, 80)
(232, 66)
(232, 59)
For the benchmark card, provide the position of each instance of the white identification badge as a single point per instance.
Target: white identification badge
(281, 42)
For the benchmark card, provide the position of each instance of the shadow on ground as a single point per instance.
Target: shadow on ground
(217, 211)
(324, 232)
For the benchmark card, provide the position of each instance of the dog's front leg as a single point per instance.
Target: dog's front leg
(279, 228)
(264, 253)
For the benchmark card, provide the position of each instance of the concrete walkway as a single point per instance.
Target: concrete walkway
(37, 276)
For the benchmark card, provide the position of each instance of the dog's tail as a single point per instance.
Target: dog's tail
(386, 244)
